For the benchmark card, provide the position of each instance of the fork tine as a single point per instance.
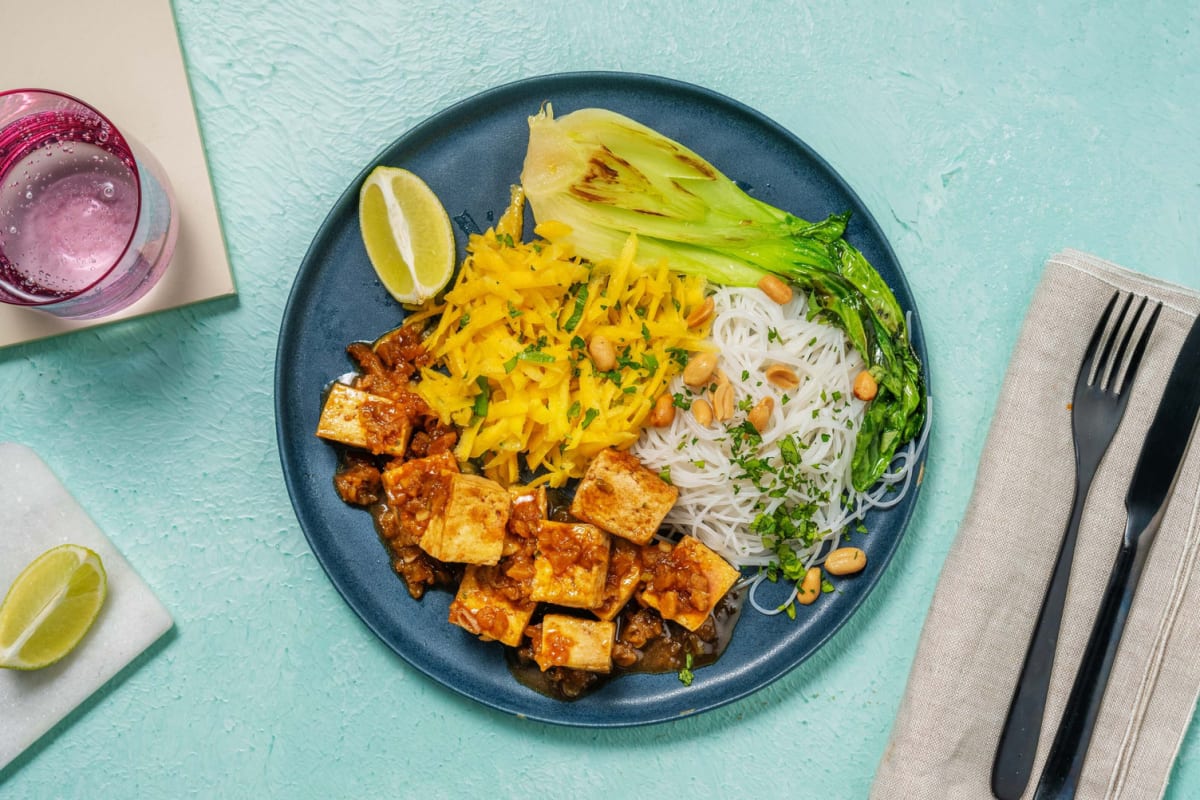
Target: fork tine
(1106, 370)
(1114, 368)
(1089, 355)
(1139, 348)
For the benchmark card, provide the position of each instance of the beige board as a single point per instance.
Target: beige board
(124, 59)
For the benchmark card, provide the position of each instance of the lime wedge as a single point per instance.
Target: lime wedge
(407, 233)
(50, 606)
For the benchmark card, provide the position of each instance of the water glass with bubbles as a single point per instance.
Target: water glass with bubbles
(87, 218)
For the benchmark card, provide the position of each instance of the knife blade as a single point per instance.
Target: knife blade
(1158, 467)
(1167, 440)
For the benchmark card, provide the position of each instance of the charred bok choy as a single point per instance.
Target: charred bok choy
(606, 176)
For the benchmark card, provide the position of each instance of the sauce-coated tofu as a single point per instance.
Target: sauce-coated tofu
(574, 643)
(571, 564)
(621, 496)
(529, 507)
(471, 527)
(687, 583)
(359, 419)
(483, 608)
(624, 575)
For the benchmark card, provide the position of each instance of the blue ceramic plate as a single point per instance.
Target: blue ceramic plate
(470, 154)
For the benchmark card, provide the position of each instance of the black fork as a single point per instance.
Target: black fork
(1101, 394)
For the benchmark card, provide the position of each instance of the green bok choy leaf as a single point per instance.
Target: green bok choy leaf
(606, 176)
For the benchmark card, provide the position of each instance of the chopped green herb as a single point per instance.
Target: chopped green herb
(481, 399)
(577, 314)
(685, 675)
(589, 417)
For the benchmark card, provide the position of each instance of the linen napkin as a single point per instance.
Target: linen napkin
(974, 639)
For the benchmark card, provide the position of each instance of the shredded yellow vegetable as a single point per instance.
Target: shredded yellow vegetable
(512, 368)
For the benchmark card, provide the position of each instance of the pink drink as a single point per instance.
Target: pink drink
(87, 222)
(66, 229)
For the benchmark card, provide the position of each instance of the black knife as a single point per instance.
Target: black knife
(1154, 479)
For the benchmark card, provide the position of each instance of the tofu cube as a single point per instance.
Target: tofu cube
(624, 575)
(482, 607)
(416, 492)
(570, 565)
(574, 643)
(623, 497)
(686, 584)
(529, 507)
(470, 528)
(359, 419)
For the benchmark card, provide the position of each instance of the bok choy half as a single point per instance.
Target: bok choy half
(606, 176)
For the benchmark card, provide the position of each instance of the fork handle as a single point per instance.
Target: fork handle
(1060, 777)
(1017, 749)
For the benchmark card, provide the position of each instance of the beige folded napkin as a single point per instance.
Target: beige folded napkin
(987, 598)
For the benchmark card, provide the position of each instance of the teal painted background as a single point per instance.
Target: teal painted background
(982, 140)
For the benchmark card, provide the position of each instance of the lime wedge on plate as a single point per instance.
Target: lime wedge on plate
(50, 606)
(407, 233)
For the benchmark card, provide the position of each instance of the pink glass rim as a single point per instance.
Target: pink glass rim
(123, 143)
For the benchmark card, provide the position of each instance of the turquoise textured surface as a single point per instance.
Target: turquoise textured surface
(982, 140)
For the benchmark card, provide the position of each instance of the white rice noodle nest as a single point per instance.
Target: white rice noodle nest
(750, 332)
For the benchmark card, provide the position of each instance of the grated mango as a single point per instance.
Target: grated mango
(511, 365)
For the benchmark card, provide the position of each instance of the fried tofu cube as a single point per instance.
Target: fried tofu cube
(482, 607)
(623, 497)
(416, 492)
(470, 529)
(529, 507)
(571, 564)
(686, 584)
(360, 419)
(574, 643)
(624, 575)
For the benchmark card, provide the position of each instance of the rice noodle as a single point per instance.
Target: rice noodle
(717, 502)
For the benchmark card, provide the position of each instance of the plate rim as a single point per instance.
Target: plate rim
(556, 82)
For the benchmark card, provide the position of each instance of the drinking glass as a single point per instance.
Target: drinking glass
(87, 217)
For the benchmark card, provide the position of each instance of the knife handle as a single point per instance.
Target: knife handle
(1060, 777)
(1015, 753)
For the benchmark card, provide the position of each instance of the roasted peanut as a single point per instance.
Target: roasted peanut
(865, 387)
(810, 587)
(760, 415)
(722, 402)
(604, 355)
(701, 313)
(782, 376)
(699, 369)
(702, 411)
(663, 413)
(845, 561)
(775, 289)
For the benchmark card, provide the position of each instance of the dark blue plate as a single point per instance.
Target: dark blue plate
(469, 155)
